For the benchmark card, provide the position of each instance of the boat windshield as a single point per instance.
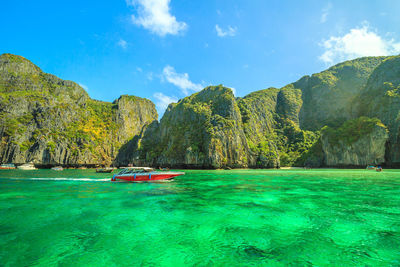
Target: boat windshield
(127, 171)
(7, 165)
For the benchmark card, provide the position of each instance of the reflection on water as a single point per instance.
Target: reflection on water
(239, 217)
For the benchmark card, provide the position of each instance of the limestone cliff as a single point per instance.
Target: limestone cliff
(358, 142)
(201, 131)
(270, 121)
(328, 96)
(267, 128)
(381, 98)
(258, 111)
(213, 129)
(51, 121)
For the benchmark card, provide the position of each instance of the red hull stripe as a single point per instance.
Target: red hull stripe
(146, 177)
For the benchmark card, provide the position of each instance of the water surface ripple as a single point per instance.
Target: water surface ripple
(205, 218)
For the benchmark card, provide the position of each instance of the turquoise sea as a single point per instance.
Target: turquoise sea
(319, 217)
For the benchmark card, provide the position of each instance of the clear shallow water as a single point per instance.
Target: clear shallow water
(238, 217)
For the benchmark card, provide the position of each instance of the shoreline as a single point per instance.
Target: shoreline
(94, 167)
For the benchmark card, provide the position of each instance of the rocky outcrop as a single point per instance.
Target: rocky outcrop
(380, 98)
(132, 113)
(328, 96)
(200, 131)
(51, 121)
(213, 129)
(258, 111)
(267, 128)
(358, 142)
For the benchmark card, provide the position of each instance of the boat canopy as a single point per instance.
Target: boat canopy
(135, 170)
(139, 168)
(8, 165)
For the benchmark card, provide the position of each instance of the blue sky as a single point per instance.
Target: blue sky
(166, 49)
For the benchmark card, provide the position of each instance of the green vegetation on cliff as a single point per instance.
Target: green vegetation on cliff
(330, 118)
(202, 130)
(213, 129)
(271, 126)
(351, 130)
(357, 142)
(380, 98)
(328, 96)
(267, 128)
(52, 121)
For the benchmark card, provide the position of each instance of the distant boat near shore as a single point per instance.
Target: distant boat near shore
(58, 168)
(377, 168)
(104, 170)
(27, 166)
(8, 166)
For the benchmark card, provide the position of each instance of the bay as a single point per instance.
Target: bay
(320, 217)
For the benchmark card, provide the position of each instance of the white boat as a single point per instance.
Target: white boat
(58, 168)
(27, 166)
(7, 166)
(105, 170)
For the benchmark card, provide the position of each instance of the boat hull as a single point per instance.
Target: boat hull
(26, 168)
(146, 177)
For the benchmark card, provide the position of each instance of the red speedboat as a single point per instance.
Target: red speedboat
(141, 174)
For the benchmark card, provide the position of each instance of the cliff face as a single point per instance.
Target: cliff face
(380, 98)
(328, 96)
(213, 129)
(272, 127)
(357, 142)
(51, 121)
(132, 113)
(201, 131)
(47, 120)
(258, 111)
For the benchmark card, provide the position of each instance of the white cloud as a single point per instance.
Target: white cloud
(228, 32)
(154, 15)
(122, 43)
(359, 42)
(163, 101)
(325, 12)
(181, 80)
